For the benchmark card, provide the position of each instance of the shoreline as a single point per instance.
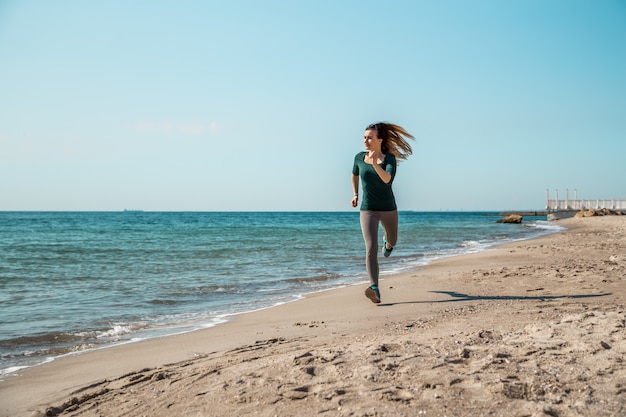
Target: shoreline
(159, 332)
(472, 285)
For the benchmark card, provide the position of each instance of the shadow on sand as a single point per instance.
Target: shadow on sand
(457, 296)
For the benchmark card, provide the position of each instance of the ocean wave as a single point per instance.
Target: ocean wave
(544, 225)
(42, 339)
(116, 331)
(472, 246)
(219, 288)
(324, 277)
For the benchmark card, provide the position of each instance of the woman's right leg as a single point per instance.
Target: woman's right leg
(369, 227)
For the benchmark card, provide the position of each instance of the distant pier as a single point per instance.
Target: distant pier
(556, 205)
(568, 208)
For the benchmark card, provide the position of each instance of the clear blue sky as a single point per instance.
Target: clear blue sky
(261, 105)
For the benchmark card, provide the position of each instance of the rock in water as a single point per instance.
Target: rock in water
(511, 218)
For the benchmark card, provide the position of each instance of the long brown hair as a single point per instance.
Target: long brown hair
(394, 139)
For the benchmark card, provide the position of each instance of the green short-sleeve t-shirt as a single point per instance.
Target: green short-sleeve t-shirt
(377, 195)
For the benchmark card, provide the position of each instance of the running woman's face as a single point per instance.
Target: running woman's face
(371, 140)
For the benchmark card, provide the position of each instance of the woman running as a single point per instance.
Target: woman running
(386, 145)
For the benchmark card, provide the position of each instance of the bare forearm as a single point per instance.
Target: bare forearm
(384, 175)
(355, 190)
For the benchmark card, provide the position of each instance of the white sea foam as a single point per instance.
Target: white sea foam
(545, 225)
(11, 369)
(472, 246)
(116, 331)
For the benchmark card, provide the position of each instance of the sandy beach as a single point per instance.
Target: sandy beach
(532, 328)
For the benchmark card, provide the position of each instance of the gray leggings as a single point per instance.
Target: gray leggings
(369, 227)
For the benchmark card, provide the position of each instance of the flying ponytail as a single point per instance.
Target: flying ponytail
(394, 139)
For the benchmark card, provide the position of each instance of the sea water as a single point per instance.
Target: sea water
(75, 281)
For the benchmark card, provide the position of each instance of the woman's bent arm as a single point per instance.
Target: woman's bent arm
(384, 175)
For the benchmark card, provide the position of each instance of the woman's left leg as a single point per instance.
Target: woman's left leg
(389, 220)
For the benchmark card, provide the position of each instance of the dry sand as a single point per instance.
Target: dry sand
(533, 328)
